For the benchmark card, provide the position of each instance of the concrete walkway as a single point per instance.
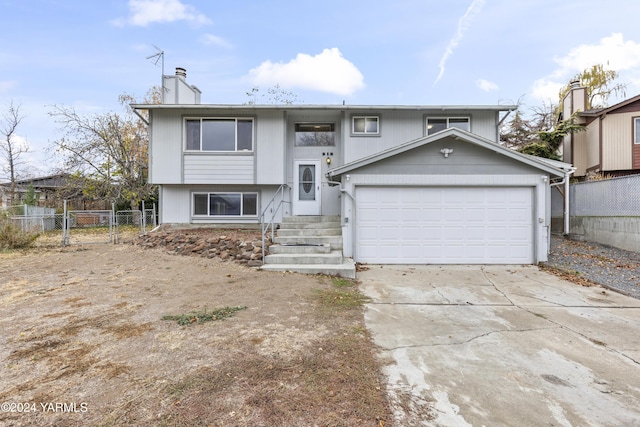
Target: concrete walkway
(503, 346)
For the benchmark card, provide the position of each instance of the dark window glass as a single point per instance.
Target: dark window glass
(200, 203)
(218, 135)
(193, 134)
(245, 135)
(249, 204)
(436, 125)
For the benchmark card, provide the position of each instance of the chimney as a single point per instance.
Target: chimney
(181, 72)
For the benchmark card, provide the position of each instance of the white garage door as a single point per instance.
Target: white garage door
(434, 225)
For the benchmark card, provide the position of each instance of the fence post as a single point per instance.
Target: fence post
(113, 235)
(64, 224)
(155, 222)
(144, 219)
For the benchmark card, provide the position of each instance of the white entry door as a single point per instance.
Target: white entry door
(306, 187)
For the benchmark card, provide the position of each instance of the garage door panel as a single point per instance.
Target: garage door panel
(444, 225)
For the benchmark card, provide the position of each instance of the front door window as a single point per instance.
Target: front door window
(307, 190)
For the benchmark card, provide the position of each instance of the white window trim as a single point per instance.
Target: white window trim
(184, 145)
(365, 133)
(447, 118)
(636, 134)
(209, 193)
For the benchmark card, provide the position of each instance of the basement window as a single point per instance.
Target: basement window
(225, 204)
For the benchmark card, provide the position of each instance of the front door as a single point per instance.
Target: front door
(306, 187)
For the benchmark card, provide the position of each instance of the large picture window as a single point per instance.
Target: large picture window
(228, 134)
(225, 204)
(437, 124)
(315, 134)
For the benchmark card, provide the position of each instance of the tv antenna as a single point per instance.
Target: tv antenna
(159, 57)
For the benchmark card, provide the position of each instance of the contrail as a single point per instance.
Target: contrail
(463, 24)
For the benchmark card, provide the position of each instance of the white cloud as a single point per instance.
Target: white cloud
(486, 85)
(145, 12)
(463, 24)
(328, 72)
(546, 90)
(613, 52)
(211, 40)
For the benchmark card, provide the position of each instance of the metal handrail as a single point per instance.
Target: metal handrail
(264, 227)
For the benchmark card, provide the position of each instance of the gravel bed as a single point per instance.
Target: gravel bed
(613, 268)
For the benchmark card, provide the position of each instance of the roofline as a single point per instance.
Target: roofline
(607, 110)
(336, 107)
(556, 168)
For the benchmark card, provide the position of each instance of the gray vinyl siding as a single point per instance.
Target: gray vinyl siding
(270, 147)
(400, 126)
(165, 151)
(177, 200)
(466, 159)
(205, 168)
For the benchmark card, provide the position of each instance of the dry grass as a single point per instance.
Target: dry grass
(333, 383)
(86, 325)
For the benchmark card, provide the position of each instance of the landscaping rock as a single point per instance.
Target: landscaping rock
(244, 247)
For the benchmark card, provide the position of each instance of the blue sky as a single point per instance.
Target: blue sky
(83, 54)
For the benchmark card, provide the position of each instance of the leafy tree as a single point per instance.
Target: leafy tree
(106, 154)
(600, 84)
(549, 141)
(10, 147)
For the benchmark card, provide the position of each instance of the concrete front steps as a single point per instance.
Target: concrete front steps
(311, 245)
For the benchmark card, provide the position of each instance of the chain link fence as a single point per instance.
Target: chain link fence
(617, 197)
(81, 227)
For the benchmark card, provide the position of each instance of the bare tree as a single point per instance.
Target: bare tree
(11, 148)
(106, 154)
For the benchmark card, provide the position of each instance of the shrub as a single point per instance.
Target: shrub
(12, 237)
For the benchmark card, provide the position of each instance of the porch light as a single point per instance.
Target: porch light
(328, 160)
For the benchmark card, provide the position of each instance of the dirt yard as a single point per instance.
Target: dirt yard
(83, 343)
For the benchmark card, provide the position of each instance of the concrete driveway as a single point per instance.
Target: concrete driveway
(503, 346)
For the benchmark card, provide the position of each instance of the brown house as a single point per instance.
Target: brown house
(611, 143)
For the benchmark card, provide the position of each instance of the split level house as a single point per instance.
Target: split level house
(610, 144)
(392, 184)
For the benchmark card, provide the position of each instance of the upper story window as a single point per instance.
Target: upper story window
(224, 134)
(636, 130)
(315, 134)
(441, 123)
(365, 125)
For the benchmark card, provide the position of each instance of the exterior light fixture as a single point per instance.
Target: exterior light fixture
(328, 160)
(446, 151)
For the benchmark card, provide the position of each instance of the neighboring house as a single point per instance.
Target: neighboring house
(45, 189)
(410, 184)
(611, 143)
(48, 191)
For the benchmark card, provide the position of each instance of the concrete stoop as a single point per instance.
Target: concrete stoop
(311, 245)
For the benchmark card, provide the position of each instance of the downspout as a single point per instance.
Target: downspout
(565, 181)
